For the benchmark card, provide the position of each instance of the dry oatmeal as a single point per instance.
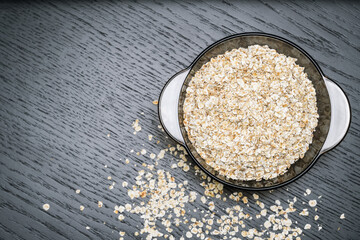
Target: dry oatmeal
(164, 203)
(250, 113)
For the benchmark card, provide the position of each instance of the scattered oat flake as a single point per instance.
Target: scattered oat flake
(82, 208)
(342, 216)
(186, 167)
(136, 126)
(152, 155)
(120, 209)
(122, 234)
(263, 212)
(143, 151)
(87, 227)
(100, 204)
(307, 226)
(108, 135)
(121, 217)
(150, 137)
(255, 196)
(161, 154)
(155, 102)
(46, 206)
(316, 217)
(211, 206)
(267, 224)
(127, 161)
(111, 187)
(127, 207)
(124, 184)
(77, 191)
(189, 235)
(304, 212)
(308, 191)
(312, 203)
(109, 177)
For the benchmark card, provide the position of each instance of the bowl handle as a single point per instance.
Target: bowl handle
(168, 105)
(340, 115)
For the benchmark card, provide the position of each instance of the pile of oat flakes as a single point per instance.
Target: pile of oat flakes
(250, 113)
(164, 204)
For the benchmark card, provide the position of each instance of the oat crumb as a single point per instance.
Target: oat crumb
(46, 206)
(312, 203)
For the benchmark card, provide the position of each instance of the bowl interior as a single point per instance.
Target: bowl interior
(323, 104)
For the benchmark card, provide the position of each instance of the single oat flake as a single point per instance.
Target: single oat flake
(250, 113)
(312, 203)
(46, 206)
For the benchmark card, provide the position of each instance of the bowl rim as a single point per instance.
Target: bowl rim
(187, 148)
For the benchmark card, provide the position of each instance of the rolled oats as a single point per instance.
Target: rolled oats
(250, 113)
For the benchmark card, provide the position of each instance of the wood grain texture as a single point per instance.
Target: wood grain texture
(72, 72)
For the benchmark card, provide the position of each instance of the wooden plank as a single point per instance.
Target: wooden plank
(71, 73)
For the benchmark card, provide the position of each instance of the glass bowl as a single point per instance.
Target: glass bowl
(333, 107)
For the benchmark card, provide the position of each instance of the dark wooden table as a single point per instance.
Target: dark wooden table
(71, 73)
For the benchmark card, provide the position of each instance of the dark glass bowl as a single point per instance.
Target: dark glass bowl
(314, 73)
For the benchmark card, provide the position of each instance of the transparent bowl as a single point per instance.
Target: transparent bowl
(333, 107)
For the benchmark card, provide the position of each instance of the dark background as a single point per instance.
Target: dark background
(73, 72)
